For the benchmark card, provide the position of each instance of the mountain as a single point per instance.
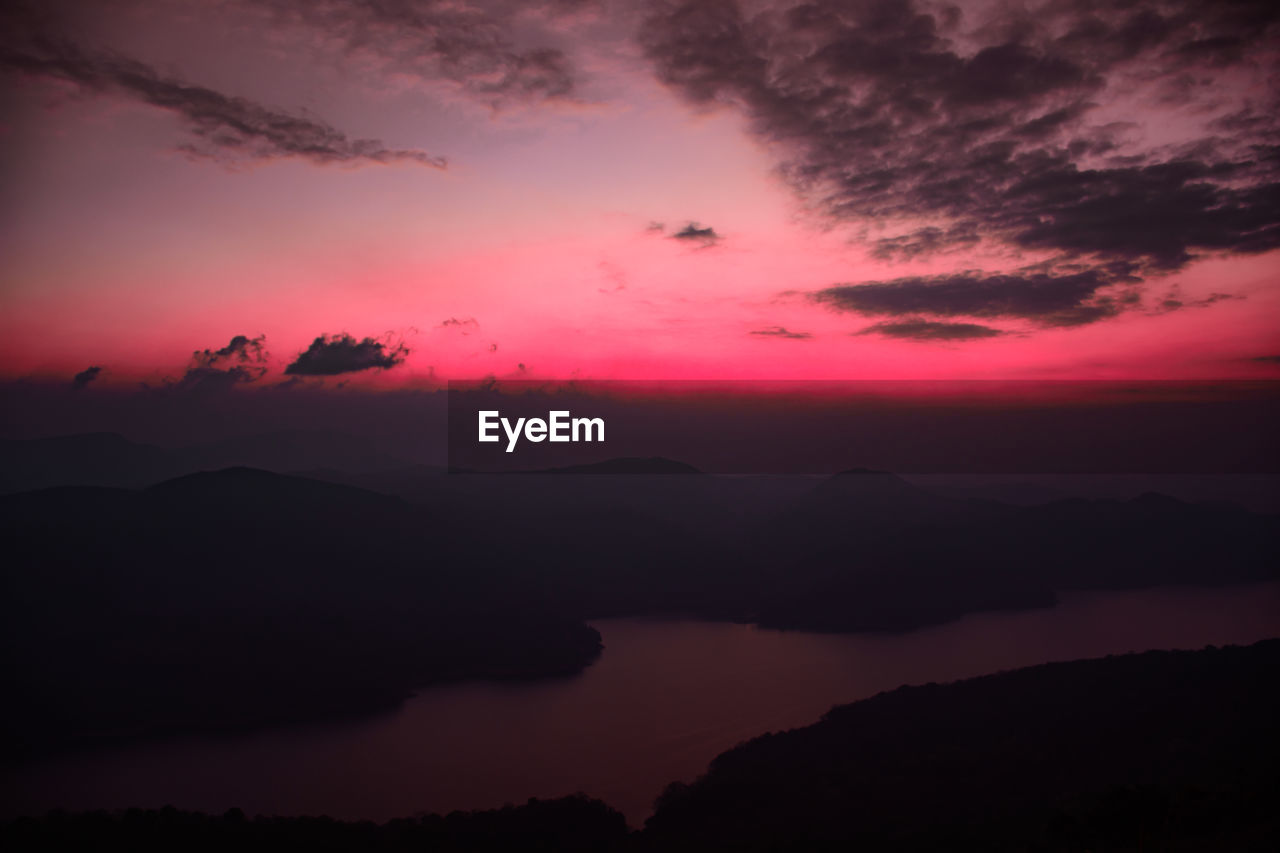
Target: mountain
(1161, 750)
(1016, 493)
(866, 551)
(572, 824)
(1156, 751)
(93, 459)
(625, 465)
(242, 597)
(107, 459)
(293, 450)
(1149, 540)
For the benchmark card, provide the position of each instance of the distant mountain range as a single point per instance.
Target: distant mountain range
(238, 596)
(242, 597)
(626, 465)
(108, 459)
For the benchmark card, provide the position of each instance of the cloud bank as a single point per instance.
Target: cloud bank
(693, 232)
(220, 127)
(330, 355)
(84, 377)
(473, 45)
(931, 330)
(782, 332)
(955, 129)
(1045, 299)
(241, 361)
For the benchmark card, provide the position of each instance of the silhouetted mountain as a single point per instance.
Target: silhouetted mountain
(254, 490)
(291, 451)
(1015, 493)
(240, 597)
(859, 551)
(107, 459)
(1153, 751)
(882, 494)
(1162, 750)
(866, 550)
(406, 482)
(625, 465)
(95, 459)
(1148, 541)
(233, 596)
(569, 824)
(1255, 492)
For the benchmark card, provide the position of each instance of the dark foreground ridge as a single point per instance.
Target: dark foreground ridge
(1153, 751)
(570, 824)
(1156, 751)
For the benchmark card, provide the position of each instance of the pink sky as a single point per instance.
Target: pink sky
(121, 251)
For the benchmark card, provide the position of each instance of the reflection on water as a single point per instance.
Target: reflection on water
(665, 698)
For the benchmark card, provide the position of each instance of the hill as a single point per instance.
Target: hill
(1162, 750)
(1170, 751)
(108, 459)
(242, 597)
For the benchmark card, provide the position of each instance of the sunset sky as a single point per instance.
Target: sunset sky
(235, 193)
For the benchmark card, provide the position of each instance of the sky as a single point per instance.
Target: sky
(226, 195)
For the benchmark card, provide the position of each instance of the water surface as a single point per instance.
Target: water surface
(665, 698)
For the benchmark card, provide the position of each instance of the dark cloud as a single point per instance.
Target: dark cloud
(1175, 301)
(242, 349)
(926, 241)
(85, 376)
(330, 355)
(1049, 300)
(222, 127)
(693, 232)
(890, 114)
(470, 44)
(466, 325)
(782, 332)
(931, 330)
(1267, 359)
(241, 361)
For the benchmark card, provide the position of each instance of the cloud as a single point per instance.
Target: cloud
(931, 330)
(84, 377)
(330, 355)
(1175, 301)
(241, 361)
(695, 233)
(782, 332)
(953, 129)
(1047, 299)
(241, 349)
(926, 241)
(615, 275)
(472, 45)
(221, 127)
(466, 325)
(1267, 359)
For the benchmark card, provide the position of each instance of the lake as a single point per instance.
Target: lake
(665, 698)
